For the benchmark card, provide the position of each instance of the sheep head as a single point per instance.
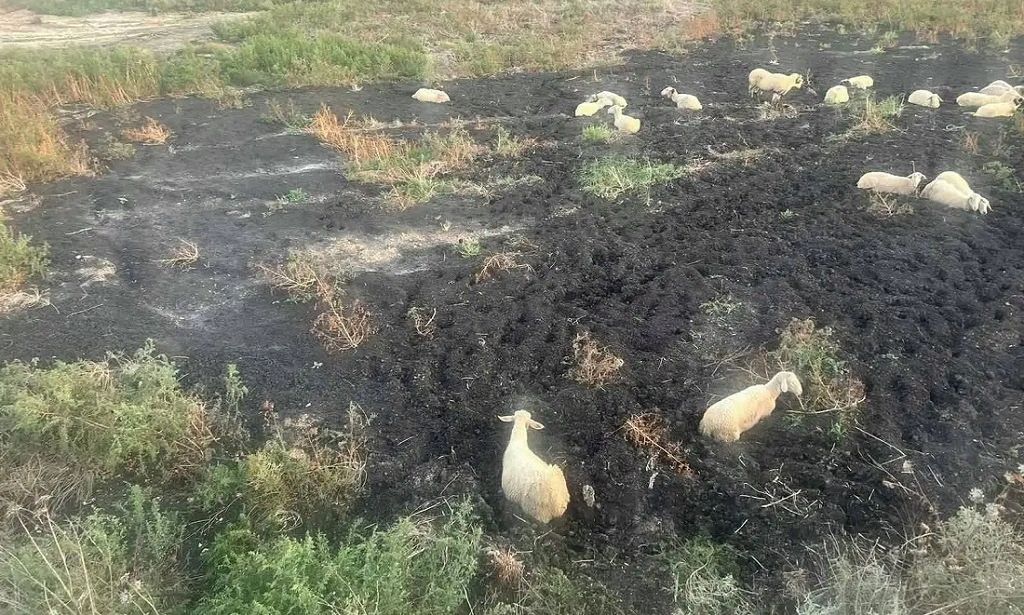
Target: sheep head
(522, 417)
(798, 80)
(916, 178)
(669, 91)
(787, 382)
(615, 110)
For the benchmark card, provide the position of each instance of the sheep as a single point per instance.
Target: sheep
(947, 194)
(727, 419)
(878, 181)
(999, 87)
(837, 95)
(612, 98)
(590, 107)
(624, 122)
(977, 99)
(755, 78)
(861, 82)
(682, 101)
(957, 181)
(924, 98)
(432, 96)
(999, 109)
(537, 487)
(779, 83)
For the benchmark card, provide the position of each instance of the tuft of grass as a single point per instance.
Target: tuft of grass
(510, 146)
(286, 114)
(876, 117)
(151, 132)
(299, 277)
(970, 142)
(293, 196)
(813, 354)
(649, 432)
(20, 260)
(500, 261)
(127, 414)
(703, 577)
(720, 307)
(596, 365)
(116, 565)
(507, 568)
(184, 256)
(418, 565)
(424, 325)
(468, 247)
(112, 149)
(1002, 175)
(597, 133)
(613, 176)
(550, 591)
(887, 205)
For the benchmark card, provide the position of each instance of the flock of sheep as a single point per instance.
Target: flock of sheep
(539, 488)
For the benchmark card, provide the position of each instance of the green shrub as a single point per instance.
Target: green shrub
(415, 566)
(19, 259)
(128, 414)
(101, 564)
(614, 176)
(550, 591)
(597, 133)
(704, 582)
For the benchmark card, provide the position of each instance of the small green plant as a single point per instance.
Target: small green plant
(293, 196)
(875, 116)
(597, 133)
(813, 355)
(889, 39)
(613, 176)
(417, 566)
(787, 214)
(286, 114)
(20, 259)
(703, 577)
(112, 149)
(234, 388)
(1002, 175)
(468, 247)
(550, 591)
(510, 146)
(720, 307)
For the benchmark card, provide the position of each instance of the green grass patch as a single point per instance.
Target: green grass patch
(415, 566)
(703, 576)
(20, 259)
(86, 7)
(597, 133)
(876, 116)
(614, 176)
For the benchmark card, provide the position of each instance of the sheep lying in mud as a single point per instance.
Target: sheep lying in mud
(998, 109)
(949, 192)
(977, 99)
(612, 98)
(682, 101)
(877, 181)
(590, 107)
(924, 98)
(537, 487)
(727, 419)
(432, 96)
(623, 122)
(837, 95)
(861, 82)
(999, 87)
(780, 84)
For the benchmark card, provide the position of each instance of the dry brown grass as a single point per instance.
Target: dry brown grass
(970, 142)
(33, 146)
(183, 256)
(340, 324)
(648, 431)
(498, 262)
(887, 206)
(23, 299)
(424, 324)
(508, 569)
(596, 366)
(151, 132)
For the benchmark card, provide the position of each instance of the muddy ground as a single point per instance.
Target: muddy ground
(928, 307)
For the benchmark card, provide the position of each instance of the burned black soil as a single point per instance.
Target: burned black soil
(928, 307)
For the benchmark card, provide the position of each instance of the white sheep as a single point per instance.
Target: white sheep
(998, 109)
(432, 96)
(861, 82)
(950, 195)
(537, 487)
(924, 98)
(878, 181)
(755, 78)
(999, 87)
(611, 97)
(623, 122)
(957, 181)
(977, 99)
(590, 107)
(779, 83)
(727, 419)
(682, 101)
(837, 95)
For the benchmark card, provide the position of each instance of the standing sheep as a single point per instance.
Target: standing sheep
(780, 84)
(537, 487)
(924, 98)
(949, 195)
(429, 95)
(878, 181)
(727, 419)
(755, 78)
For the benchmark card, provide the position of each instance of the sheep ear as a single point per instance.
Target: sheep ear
(535, 425)
(784, 385)
(507, 419)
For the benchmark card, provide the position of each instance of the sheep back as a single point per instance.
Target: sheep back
(727, 419)
(537, 487)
